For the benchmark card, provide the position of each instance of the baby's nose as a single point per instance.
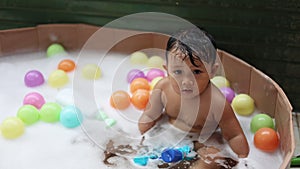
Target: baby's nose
(187, 82)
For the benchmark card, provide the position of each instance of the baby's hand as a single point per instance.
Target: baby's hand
(144, 127)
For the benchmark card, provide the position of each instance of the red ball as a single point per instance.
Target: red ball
(266, 139)
(139, 83)
(120, 100)
(140, 98)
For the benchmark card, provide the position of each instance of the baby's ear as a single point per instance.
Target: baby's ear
(214, 69)
(165, 67)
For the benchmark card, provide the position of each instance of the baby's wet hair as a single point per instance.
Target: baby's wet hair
(194, 43)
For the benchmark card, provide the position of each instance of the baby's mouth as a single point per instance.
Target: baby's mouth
(186, 91)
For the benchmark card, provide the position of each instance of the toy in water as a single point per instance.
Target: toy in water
(70, 116)
(138, 58)
(133, 74)
(55, 49)
(66, 65)
(228, 93)
(140, 98)
(91, 71)
(28, 114)
(168, 155)
(243, 104)
(50, 112)
(266, 139)
(34, 78)
(155, 62)
(65, 97)
(120, 100)
(220, 81)
(139, 83)
(153, 73)
(35, 99)
(260, 121)
(154, 82)
(58, 78)
(102, 116)
(12, 127)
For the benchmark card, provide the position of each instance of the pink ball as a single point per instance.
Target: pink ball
(33, 78)
(228, 93)
(133, 74)
(35, 99)
(154, 72)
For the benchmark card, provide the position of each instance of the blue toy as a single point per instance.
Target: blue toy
(168, 155)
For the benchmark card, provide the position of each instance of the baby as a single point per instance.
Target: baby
(187, 97)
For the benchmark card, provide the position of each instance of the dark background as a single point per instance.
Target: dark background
(266, 34)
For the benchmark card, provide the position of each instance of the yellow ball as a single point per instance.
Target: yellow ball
(12, 127)
(154, 82)
(220, 81)
(243, 104)
(91, 71)
(155, 61)
(138, 58)
(58, 78)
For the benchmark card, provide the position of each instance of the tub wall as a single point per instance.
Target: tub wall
(269, 97)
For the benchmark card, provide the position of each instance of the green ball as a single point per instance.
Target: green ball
(55, 49)
(12, 127)
(261, 121)
(28, 114)
(50, 112)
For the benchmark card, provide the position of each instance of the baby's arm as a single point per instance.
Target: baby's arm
(153, 111)
(233, 132)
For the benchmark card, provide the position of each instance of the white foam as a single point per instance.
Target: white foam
(45, 145)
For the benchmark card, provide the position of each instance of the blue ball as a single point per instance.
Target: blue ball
(70, 117)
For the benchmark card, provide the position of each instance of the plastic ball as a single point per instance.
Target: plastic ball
(261, 121)
(58, 78)
(70, 117)
(12, 127)
(138, 58)
(154, 72)
(50, 112)
(140, 99)
(154, 82)
(28, 114)
(139, 83)
(155, 62)
(133, 74)
(266, 139)
(228, 93)
(66, 65)
(34, 78)
(120, 100)
(220, 81)
(65, 97)
(91, 71)
(35, 99)
(55, 49)
(243, 104)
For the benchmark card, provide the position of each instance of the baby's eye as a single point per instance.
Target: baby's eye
(177, 72)
(197, 71)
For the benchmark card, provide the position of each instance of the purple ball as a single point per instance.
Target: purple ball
(33, 78)
(154, 72)
(228, 93)
(133, 74)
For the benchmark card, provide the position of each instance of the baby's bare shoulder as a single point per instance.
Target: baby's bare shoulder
(162, 84)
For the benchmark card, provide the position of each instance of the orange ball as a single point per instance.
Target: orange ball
(140, 98)
(139, 83)
(66, 65)
(266, 139)
(120, 100)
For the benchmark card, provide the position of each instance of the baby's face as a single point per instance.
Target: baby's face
(187, 79)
